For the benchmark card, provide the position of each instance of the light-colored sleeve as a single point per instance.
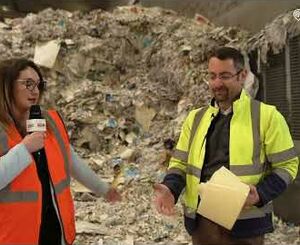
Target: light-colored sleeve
(83, 174)
(280, 149)
(13, 163)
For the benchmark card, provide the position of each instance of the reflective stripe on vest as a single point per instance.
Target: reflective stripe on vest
(245, 214)
(190, 169)
(6, 195)
(197, 120)
(189, 212)
(256, 167)
(282, 156)
(256, 212)
(65, 183)
(180, 155)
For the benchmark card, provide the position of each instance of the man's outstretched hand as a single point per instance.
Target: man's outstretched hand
(163, 200)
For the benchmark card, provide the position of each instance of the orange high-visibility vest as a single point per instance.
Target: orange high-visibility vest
(21, 200)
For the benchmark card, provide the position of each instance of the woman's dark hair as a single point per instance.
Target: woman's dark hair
(9, 73)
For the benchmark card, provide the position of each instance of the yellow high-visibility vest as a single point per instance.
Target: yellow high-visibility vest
(259, 143)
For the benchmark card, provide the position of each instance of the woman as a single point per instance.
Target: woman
(36, 205)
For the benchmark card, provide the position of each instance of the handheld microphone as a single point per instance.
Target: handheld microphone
(36, 122)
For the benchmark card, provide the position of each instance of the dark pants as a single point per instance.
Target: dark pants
(209, 233)
(50, 231)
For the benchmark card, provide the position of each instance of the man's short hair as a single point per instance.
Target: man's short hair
(225, 53)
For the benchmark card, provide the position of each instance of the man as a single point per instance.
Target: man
(246, 136)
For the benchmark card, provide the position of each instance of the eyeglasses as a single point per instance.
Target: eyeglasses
(30, 84)
(223, 76)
